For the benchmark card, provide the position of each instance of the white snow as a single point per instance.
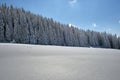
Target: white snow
(72, 25)
(40, 62)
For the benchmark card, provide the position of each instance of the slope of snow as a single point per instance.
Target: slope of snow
(39, 62)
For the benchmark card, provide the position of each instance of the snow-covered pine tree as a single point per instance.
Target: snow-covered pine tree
(2, 31)
(20, 26)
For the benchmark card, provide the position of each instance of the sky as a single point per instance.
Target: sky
(97, 15)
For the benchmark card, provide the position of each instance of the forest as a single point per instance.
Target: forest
(20, 26)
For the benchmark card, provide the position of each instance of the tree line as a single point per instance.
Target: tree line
(20, 26)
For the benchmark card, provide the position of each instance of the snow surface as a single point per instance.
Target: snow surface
(38, 62)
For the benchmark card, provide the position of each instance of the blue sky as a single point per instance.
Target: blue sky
(98, 15)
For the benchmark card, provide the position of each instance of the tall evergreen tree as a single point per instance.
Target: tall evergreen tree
(20, 26)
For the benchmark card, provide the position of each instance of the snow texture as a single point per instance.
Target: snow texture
(36, 62)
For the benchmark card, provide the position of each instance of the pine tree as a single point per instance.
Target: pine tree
(20, 26)
(2, 32)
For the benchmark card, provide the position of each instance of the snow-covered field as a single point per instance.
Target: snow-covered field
(36, 62)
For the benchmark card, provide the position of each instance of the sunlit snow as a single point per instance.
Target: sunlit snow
(39, 62)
